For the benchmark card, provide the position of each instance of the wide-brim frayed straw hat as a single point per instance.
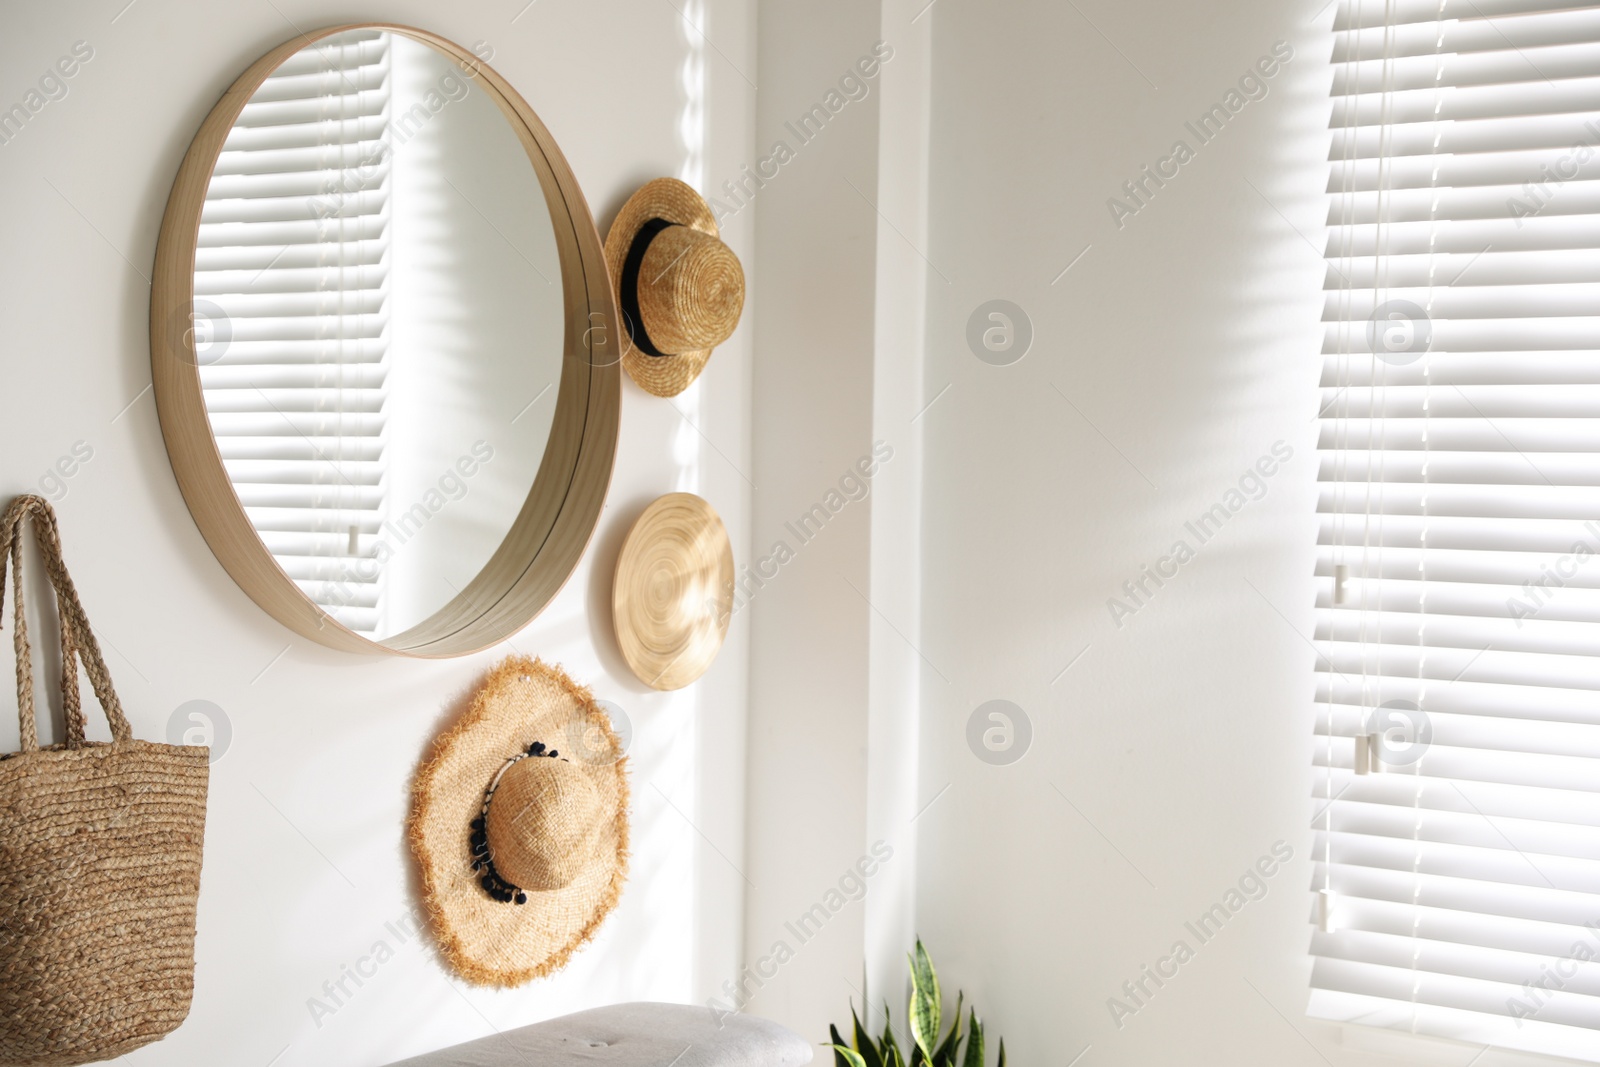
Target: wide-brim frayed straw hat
(519, 824)
(679, 288)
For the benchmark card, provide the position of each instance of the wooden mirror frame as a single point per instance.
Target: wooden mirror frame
(553, 528)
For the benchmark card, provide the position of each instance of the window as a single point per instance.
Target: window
(1457, 782)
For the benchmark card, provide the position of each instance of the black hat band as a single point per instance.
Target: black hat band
(631, 319)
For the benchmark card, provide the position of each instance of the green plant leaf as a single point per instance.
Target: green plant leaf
(890, 1044)
(838, 1060)
(863, 1042)
(974, 1057)
(848, 1056)
(1002, 1062)
(924, 1010)
(945, 1054)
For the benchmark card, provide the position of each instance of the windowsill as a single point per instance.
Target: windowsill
(1425, 1049)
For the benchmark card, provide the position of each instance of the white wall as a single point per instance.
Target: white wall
(895, 666)
(1165, 362)
(832, 747)
(305, 862)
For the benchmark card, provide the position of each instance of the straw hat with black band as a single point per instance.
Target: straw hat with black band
(519, 824)
(680, 289)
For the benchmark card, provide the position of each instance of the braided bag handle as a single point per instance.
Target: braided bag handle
(77, 637)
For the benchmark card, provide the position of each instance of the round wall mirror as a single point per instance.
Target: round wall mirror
(382, 344)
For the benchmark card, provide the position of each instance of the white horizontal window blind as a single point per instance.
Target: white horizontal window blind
(291, 282)
(1457, 788)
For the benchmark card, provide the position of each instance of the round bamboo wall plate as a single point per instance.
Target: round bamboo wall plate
(673, 593)
(554, 525)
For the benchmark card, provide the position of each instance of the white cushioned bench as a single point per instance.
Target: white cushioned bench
(632, 1035)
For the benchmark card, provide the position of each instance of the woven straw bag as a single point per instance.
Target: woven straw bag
(99, 855)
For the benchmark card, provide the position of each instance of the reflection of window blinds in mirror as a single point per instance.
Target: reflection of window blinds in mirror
(294, 257)
(1459, 559)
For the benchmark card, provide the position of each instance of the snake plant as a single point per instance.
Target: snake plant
(928, 1048)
